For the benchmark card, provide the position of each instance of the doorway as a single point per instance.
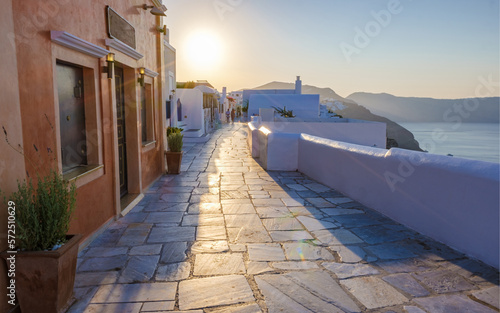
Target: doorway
(120, 124)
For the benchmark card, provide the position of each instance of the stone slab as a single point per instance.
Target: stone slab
(250, 308)
(203, 220)
(443, 281)
(135, 293)
(171, 234)
(404, 266)
(218, 264)
(303, 292)
(285, 223)
(204, 208)
(139, 269)
(267, 202)
(164, 217)
(293, 202)
(379, 234)
(452, 303)
(373, 292)
(113, 263)
(238, 209)
(343, 270)
(248, 235)
(102, 252)
(255, 268)
(314, 224)
(95, 279)
(211, 233)
(295, 265)
(406, 283)
(290, 235)
(242, 220)
(173, 272)
(158, 306)
(300, 251)
(214, 291)
(178, 197)
(146, 250)
(114, 307)
(319, 202)
(350, 254)
(174, 252)
(210, 247)
(391, 251)
(265, 252)
(490, 296)
(337, 237)
(270, 212)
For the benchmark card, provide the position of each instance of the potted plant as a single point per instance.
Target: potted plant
(45, 256)
(174, 155)
(284, 112)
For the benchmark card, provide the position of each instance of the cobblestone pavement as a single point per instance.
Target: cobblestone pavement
(227, 236)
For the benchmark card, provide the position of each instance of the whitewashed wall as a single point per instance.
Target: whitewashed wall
(192, 108)
(453, 200)
(304, 106)
(346, 130)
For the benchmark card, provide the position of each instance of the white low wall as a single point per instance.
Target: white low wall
(253, 139)
(453, 200)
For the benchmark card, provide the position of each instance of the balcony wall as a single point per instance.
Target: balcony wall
(452, 200)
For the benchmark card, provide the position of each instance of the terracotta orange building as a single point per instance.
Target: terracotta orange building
(84, 89)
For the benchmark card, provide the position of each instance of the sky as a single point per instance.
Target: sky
(413, 48)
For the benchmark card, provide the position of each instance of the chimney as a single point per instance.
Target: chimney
(298, 86)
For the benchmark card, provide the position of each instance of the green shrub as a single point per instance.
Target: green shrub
(171, 130)
(43, 214)
(175, 142)
(284, 112)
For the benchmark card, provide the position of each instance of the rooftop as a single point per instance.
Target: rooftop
(227, 236)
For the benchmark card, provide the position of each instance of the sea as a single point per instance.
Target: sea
(476, 141)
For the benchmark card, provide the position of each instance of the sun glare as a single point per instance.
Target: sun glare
(204, 50)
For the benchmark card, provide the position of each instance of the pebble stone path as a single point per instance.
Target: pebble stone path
(227, 236)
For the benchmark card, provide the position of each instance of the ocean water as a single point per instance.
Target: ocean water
(477, 141)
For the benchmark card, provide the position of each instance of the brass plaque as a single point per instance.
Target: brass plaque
(119, 28)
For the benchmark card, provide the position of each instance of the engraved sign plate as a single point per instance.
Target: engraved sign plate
(119, 28)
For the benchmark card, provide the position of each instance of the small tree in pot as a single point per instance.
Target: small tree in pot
(174, 155)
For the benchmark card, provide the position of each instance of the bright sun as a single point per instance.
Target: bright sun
(203, 50)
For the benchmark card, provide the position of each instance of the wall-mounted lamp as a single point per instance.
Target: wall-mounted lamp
(140, 80)
(110, 59)
(154, 10)
(163, 29)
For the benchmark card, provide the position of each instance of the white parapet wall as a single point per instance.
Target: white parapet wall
(453, 200)
(276, 143)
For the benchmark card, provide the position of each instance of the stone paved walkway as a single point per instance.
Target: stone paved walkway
(227, 236)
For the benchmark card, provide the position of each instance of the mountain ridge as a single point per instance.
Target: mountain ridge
(430, 110)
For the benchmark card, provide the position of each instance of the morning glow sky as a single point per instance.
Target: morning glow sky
(421, 48)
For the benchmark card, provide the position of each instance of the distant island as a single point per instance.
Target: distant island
(397, 136)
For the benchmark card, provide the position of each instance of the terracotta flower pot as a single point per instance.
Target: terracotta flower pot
(45, 279)
(174, 160)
